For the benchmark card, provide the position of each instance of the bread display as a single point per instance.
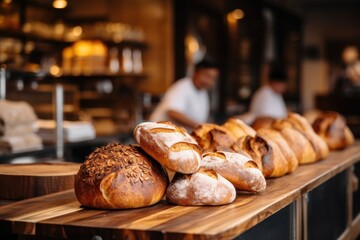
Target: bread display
(300, 123)
(212, 137)
(240, 170)
(296, 140)
(238, 128)
(204, 187)
(118, 177)
(331, 127)
(169, 144)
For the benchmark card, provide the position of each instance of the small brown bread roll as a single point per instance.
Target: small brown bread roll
(169, 144)
(240, 170)
(212, 137)
(331, 127)
(262, 122)
(238, 128)
(296, 140)
(300, 123)
(204, 187)
(120, 176)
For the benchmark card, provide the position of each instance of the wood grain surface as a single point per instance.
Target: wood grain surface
(22, 181)
(61, 215)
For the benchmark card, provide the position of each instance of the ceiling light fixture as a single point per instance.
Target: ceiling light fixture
(59, 4)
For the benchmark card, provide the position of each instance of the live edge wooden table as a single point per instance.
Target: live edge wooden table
(60, 215)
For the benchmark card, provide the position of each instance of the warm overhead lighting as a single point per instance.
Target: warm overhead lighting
(77, 31)
(7, 1)
(59, 4)
(238, 14)
(235, 15)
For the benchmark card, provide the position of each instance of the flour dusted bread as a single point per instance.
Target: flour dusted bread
(296, 140)
(300, 123)
(238, 128)
(212, 137)
(331, 127)
(120, 176)
(204, 187)
(169, 144)
(240, 170)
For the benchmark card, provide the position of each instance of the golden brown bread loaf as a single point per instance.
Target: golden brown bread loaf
(331, 127)
(120, 176)
(212, 137)
(296, 140)
(204, 187)
(169, 144)
(240, 170)
(245, 146)
(262, 122)
(238, 128)
(266, 151)
(278, 142)
(300, 123)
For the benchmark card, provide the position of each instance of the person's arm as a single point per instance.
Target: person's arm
(181, 118)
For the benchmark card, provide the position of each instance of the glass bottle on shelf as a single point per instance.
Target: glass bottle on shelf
(114, 64)
(127, 60)
(137, 61)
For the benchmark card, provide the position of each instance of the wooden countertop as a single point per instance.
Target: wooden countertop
(60, 214)
(22, 181)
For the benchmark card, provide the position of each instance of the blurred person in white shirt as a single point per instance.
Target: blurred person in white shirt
(186, 102)
(268, 100)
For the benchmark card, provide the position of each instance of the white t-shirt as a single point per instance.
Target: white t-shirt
(185, 98)
(266, 102)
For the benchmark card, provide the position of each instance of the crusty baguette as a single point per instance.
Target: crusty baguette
(240, 170)
(169, 144)
(204, 187)
(331, 127)
(274, 136)
(212, 137)
(265, 153)
(319, 145)
(238, 128)
(297, 141)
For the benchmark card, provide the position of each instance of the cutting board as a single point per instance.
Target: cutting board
(22, 181)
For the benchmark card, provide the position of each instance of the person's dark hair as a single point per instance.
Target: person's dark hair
(206, 63)
(277, 75)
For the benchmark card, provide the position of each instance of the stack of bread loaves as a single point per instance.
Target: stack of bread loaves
(207, 179)
(127, 176)
(278, 146)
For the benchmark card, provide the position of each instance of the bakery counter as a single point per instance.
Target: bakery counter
(60, 215)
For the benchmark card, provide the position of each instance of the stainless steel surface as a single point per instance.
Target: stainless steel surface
(58, 102)
(2, 83)
(296, 219)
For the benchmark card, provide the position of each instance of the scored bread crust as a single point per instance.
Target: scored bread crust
(120, 176)
(300, 123)
(169, 144)
(240, 170)
(204, 187)
(331, 126)
(296, 140)
(238, 128)
(212, 137)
